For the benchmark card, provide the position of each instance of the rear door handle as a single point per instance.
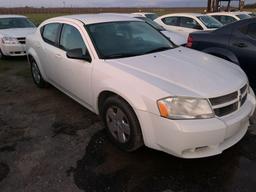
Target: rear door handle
(241, 45)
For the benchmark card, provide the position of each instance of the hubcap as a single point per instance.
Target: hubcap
(36, 73)
(118, 124)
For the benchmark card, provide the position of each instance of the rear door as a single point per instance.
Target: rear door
(49, 46)
(171, 23)
(243, 44)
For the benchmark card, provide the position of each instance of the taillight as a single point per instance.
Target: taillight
(190, 41)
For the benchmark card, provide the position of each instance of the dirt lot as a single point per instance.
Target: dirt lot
(50, 143)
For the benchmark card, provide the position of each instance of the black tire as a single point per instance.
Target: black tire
(253, 118)
(36, 74)
(134, 140)
(2, 56)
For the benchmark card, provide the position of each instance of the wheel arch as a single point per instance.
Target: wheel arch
(31, 54)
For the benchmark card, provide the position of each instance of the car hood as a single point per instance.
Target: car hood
(176, 38)
(185, 72)
(17, 32)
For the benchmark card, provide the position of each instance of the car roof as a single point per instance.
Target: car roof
(12, 16)
(98, 18)
(143, 13)
(228, 13)
(185, 14)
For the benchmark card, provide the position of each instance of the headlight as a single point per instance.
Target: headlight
(185, 108)
(9, 40)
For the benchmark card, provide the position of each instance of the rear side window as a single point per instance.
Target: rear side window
(71, 39)
(50, 33)
(252, 30)
(188, 22)
(173, 21)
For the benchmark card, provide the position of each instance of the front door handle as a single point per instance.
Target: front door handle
(58, 55)
(240, 45)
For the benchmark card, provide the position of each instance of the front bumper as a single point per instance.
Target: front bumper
(13, 49)
(196, 138)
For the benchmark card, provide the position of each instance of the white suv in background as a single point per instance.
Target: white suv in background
(185, 23)
(229, 17)
(13, 32)
(147, 91)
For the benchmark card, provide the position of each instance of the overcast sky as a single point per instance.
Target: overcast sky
(106, 3)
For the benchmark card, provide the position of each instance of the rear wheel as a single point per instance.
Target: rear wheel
(36, 75)
(122, 124)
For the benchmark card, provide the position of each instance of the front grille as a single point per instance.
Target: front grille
(224, 99)
(243, 89)
(229, 103)
(22, 40)
(226, 110)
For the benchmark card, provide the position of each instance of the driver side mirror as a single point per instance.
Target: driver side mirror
(78, 54)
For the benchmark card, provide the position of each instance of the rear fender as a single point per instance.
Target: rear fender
(222, 53)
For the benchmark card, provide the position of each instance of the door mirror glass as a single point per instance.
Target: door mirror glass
(78, 54)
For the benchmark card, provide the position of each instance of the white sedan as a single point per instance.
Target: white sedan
(230, 17)
(185, 23)
(13, 32)
(147, 91)
(175, 37)
(151, 16)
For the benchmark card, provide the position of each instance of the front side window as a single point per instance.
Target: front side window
(71, 39)
(19, 22)
(173, 21)
(50, 33)
(188, 22)
(225, 19)
(252, 30)
(210, 22)
(243, 16)
(126, 39)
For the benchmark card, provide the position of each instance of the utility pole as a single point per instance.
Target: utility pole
(241, 5)
(214, 5)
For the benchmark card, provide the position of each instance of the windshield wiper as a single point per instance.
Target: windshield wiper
(120, 55)
(158, 50)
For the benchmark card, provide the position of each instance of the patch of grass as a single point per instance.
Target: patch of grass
(38, 18)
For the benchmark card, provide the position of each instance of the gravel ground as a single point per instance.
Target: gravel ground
(49, 143)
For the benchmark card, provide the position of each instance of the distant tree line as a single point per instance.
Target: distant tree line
(250, 5)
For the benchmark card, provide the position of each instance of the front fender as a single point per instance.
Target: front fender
(32, 52)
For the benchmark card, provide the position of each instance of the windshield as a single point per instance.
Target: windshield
(210, 22)
(152, 23)
(151, 16)
(126, 39)
(19, 22)
(243, 16)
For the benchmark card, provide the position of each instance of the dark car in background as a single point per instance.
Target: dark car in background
(235, 42)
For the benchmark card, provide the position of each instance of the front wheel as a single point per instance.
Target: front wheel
(122, 124)
(36, 75)
(2, 56)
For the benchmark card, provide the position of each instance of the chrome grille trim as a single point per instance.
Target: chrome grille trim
(224, 99)
(22, 40)
(227, 104)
